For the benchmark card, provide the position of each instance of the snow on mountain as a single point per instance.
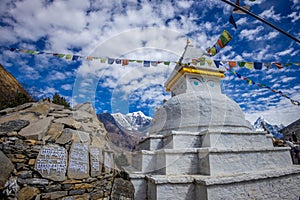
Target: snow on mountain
(136, 121)
(263, 125)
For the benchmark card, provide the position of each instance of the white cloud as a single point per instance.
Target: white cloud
(270, 14)
(294, 16)
(67, 87)
(287, 79)
(250, 34)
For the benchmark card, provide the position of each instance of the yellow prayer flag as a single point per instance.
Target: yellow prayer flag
(249, 65)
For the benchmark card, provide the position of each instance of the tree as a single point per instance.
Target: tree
(57, 99)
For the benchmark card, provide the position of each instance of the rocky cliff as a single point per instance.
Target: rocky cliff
(11, 90)
(49, 152)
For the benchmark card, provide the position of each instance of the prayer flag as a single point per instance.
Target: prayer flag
(154, 63)
(118, 61)
(232, 63)
(249, 65)
(209, 62)
(267, 65)
(278, 65)
(110, 61)
(61, 55)
(146, 63)
(241, 64)
(102, 60)
(75, 57)
(125, 62)
(69, 56)
(89, 58)
(217, 63)
(257, 65)
(232, 21)
(167, 62)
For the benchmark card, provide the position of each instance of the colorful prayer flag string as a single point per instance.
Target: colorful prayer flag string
(251, 82)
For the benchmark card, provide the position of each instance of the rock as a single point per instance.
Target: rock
(40, 108)
(80, 136)
(51, 162)
(58, 115)
(6, 167)
(96, 160)
(70, 122)
(55, 195)
(55, 130)
(25, 174)
(15, 109)
(65, 137)
(78, 167)
(13, 125)
(33, 181)
(28, 193)
(36, 130)
(122, 189)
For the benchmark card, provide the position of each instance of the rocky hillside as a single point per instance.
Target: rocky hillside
(136, 121)
(49, 152)
(12, 92)
(263, 125)
(118, 135)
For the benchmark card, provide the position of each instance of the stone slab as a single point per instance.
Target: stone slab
(96, 160)
(78, 167)
(36, 130)
(69, 121)
(6, 167)
(51, 162)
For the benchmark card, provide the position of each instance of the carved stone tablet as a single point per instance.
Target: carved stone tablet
(51, 162)
(78, 161)
(95, 161)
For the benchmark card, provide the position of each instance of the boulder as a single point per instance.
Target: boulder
(6, 167)
(36, 130)
(69, 121)
(13, 125)
(28, 193)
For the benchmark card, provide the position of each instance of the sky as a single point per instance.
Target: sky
(152, 31)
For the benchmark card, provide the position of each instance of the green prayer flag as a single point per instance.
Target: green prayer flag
(241, 64)
(167, 62)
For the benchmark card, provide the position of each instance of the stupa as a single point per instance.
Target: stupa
(200, 146)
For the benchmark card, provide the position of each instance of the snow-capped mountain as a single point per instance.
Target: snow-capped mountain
(263, 125)
(136, 121)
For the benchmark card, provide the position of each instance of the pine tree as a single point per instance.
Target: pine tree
(57, 99)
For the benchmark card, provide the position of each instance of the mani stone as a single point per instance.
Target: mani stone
(6, 167)
(13, 125)
(78, 167)
(95, 161)
(51, 162)
(36, 130)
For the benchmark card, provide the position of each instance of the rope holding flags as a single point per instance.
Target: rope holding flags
(251, 82)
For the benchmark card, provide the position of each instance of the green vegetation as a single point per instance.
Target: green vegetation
(19, 99)
(57, 99)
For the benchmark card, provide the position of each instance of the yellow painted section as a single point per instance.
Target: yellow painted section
(193, 71)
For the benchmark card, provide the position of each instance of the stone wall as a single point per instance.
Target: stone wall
(48, 152)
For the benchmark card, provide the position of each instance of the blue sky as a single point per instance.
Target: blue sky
(149, 30)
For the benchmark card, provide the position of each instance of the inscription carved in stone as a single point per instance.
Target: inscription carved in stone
(51, 162)
(95, 161)
(78, 161)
